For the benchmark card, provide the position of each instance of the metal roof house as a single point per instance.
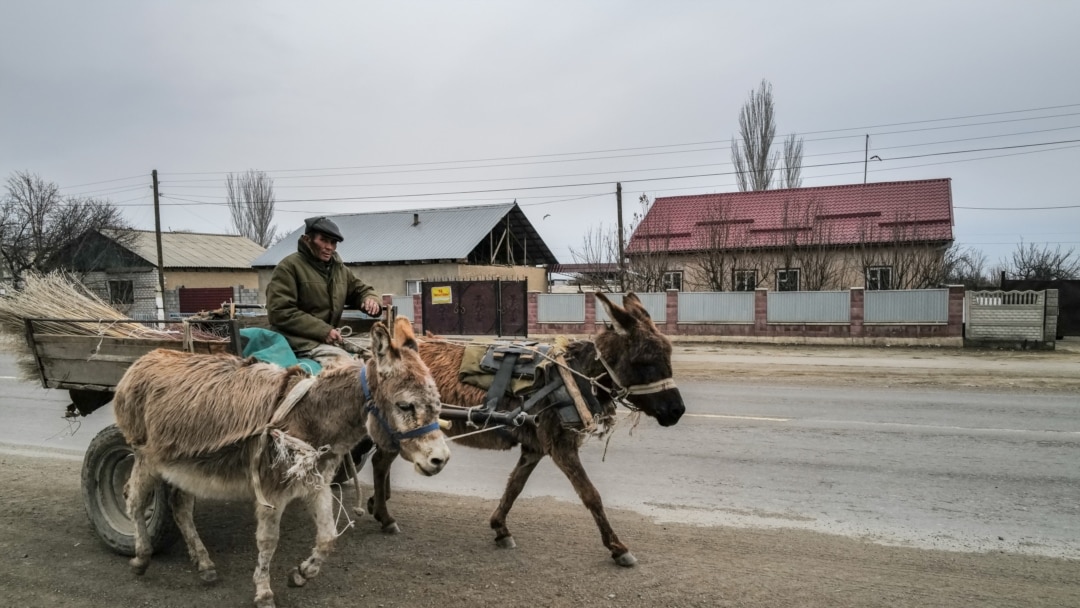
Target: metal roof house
(393, 251)
(884, 235)
(200, 270)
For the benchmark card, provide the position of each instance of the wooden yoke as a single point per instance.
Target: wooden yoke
(575, 394)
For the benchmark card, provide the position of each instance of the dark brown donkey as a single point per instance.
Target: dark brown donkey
(631, 360)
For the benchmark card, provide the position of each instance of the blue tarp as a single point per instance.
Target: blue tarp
(272, 347)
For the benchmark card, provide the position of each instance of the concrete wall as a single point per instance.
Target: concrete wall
(1011, 316)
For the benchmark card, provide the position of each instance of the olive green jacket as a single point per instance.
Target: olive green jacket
(305, 297)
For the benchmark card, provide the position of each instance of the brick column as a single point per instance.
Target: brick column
(761, 312)
(956, 311)
(671, 312)
(590, 312)
(858, 311)
(532, 299)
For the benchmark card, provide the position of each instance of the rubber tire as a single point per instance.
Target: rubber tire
(105, 471)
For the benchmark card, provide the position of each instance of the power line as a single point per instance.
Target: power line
(699, 143)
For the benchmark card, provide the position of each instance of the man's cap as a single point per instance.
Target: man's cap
(324, 225)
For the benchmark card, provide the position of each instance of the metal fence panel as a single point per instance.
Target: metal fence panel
(404, 306)
(809, 307)
(716, 307)
(655, 303)
(907, 306)
(560, 308)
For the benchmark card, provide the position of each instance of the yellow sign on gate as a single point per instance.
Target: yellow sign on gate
(441, 295)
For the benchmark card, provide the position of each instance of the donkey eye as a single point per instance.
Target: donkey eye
(406, 407)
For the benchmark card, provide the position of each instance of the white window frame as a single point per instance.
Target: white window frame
(413, 286)
(743, 285)
(874, 280)
(783, 279)
(672, 280)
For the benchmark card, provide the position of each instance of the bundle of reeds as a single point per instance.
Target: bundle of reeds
(73, 310)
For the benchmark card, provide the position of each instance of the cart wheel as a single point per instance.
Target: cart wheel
(105, 472)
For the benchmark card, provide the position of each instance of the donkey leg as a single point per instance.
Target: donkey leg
(183, 507)
(380, 469)
(321, 506)
(267, 531)
(518, 477)
(139, 486)
(569, 463)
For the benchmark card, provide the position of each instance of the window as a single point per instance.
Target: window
(787, 279)
(412, 286)
(672, 280)
(745, 280)
(879, 277)
(121, 292)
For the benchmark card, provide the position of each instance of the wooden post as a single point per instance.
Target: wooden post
(157, 235)
(622, 267)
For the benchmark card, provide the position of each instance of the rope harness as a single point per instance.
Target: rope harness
(395, 436)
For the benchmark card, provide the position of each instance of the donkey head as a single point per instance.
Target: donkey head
(638, 358)
(405, 401)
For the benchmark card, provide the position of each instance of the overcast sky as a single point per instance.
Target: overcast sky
(377, 103)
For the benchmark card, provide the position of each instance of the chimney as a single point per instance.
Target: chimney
(416, 219)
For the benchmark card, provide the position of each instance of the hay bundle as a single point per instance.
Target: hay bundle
(58, 295)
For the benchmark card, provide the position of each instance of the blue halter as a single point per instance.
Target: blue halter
(395, 436)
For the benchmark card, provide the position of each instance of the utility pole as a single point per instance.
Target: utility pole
(866, 157)
(622, 263)
(157, 236)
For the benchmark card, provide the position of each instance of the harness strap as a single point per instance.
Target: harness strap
(633, 389)
(395, 436)
(287, 404)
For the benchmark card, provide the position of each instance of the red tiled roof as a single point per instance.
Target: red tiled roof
(911, 211)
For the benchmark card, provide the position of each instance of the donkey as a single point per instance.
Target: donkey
(630, 360)
(218, 426)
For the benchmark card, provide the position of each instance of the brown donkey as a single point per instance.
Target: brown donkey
(631, 360)
(218, 426)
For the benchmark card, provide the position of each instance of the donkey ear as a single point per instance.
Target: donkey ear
(380, 341)
(403, 334)
(621, 321)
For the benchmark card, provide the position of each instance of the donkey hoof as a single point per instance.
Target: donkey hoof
(139, 565)
(506, 542)
(296, 579)
(391, 528)
(208, 576)
(626, 560)
(265, 600)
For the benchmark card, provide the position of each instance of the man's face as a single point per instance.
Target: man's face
(322, 246)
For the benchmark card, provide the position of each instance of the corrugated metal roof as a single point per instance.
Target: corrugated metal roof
(908, 211)
(448, 233)
(194, 250)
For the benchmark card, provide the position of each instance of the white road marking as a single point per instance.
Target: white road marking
(765, 418)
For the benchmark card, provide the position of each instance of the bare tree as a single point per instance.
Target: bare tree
(251, 203)
(645, 269)
(709, 269)
(966, 266)
(1043, 263)
(752, 154)
(791, 174)
(36, 222)
(599, 253)
(902, 247)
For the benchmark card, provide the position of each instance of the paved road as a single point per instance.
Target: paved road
(925, 468)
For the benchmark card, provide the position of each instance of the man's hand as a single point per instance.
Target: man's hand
(333, 337)
(371, 306)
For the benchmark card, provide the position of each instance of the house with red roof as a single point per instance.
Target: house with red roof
(890, 235)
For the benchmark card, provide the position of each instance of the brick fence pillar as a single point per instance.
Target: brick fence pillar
(956, 311)
(761, 312)
(858, 311)
(671, 312)
(590, 312)
(532, 306)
